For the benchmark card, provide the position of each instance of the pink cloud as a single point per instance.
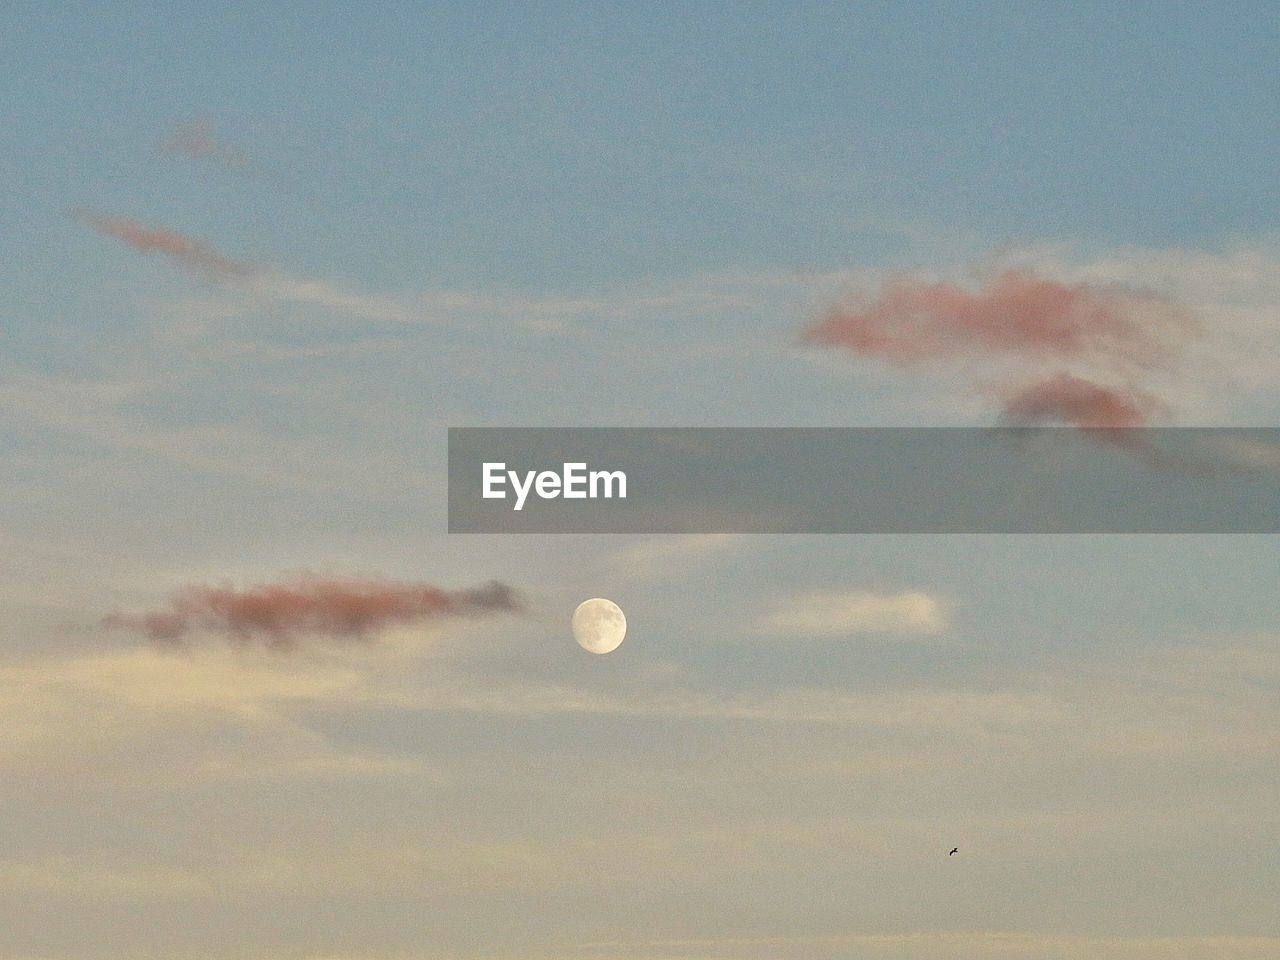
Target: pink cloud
(1014, 314)
(1018, 330)
(197, 141)
(190, 253)
(1079, 403)
(279, 614)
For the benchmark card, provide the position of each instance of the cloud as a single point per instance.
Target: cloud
(1017, 313)
(719, 296)
(319, 293)
(279, 614)
(1087, 353)
(197, 141)
(189, 253)
(197, 256)
(1234, 295)
(1079, 403)
(836, 613)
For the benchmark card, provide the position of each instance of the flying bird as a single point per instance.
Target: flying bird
(954, 850)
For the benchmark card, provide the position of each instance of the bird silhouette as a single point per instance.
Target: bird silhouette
(953, 851)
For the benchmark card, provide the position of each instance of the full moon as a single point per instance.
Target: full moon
(599, 625)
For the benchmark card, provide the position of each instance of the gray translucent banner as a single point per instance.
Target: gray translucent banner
(863, 480)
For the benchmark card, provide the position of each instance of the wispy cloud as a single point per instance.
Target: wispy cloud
(283, 288)
(197, 140)
(187, 252)
(834, 613)
(1206, 701)
(195, 255)
(280, 614)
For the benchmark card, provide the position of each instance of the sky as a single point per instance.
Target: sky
(257, 704)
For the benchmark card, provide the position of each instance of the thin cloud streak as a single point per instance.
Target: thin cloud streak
(279, 614)
(197, 256)
(189, 253)
(835, 613)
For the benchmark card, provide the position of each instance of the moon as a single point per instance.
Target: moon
(599, 625)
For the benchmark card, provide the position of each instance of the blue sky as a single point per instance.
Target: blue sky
(565, 145)
(608, 214)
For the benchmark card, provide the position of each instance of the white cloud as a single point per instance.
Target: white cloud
(838, 613)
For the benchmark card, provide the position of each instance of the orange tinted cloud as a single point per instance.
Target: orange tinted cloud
(1016, 313)
(190, 253)
(279, 614)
